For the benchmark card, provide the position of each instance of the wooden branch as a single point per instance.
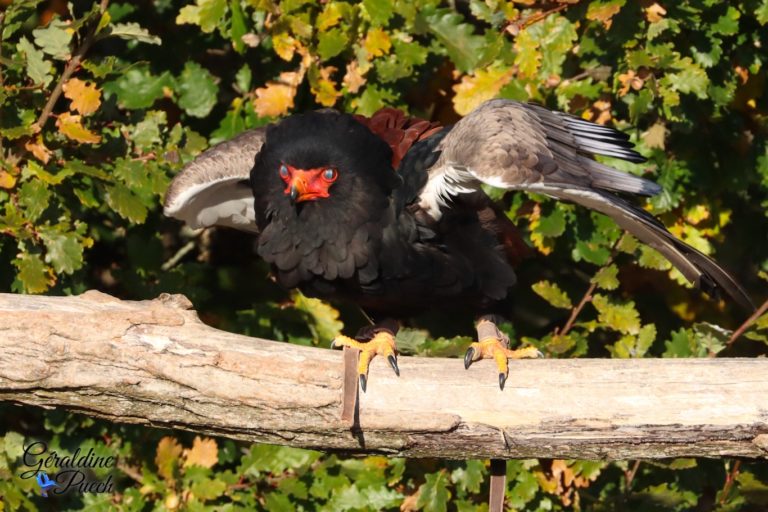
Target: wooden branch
(155, 363)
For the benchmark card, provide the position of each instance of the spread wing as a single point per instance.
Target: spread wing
(214, 189)
(518, 146)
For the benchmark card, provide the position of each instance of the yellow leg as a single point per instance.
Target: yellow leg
(494, 345)
(382, 344)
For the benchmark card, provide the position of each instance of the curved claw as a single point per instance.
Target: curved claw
(363, 381)
(333, 343)
(393, 363)
(502, 380)
(469, 357)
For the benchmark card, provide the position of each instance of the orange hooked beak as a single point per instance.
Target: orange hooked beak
(307, 185)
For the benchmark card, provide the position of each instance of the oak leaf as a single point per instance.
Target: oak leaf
(86, 98)
(71, 126)
(204, 452)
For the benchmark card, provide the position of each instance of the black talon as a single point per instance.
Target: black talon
(363, 381)
(502, 380)
(468, 357)
(393, 363)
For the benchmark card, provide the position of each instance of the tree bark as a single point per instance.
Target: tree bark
(155, 363)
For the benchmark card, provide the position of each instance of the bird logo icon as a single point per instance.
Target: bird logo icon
(45, 483)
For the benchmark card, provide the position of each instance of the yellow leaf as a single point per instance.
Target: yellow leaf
(284, 45)
(168, 452)
(473, 90)
(655, 13)
(71, 126)
(324, 88)
(603, 13)
(275, 99)
(377, 42)
(329, 17)
(528, 55)
(37, 148)
(630, 79)
(7, 180)
(204, 452)
(545, 245)
(353, 79)
(654, 137)
(86, 98)
(697, 214)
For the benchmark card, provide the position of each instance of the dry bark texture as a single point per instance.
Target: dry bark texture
(155, 363)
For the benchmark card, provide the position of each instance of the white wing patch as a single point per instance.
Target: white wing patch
(442, 186)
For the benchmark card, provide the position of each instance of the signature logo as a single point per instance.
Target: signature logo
(68, 472)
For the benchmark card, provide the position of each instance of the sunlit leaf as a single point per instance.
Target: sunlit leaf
(553, 294)
(85, 96)
(204, 452)
(71, 126)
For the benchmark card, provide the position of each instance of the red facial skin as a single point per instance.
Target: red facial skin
(307, 185)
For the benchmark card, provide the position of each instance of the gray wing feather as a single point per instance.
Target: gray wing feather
(519, 146)
(213, 190)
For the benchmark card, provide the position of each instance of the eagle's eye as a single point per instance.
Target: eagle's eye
(283, 171)
(330, 174)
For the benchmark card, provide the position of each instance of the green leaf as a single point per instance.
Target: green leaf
(525, 489)
(33, 273)
(592, 252)
(606, 277)
(634, 346)
(238, 28)
(132, 32)
(324, 320)
(138, 87)
(728, 23)
(379, 11)
(555, 36)
(434, 493)
(13, 445)
(552, 225)
(34, 197)
(463, 46)
(710, 338)
(38, 69)
(197, 90)
(680, 344)
(64, 251)
(553, 294)
(126, 204)
(372, 99)
(620, 317)
(332, 43)
(54, 39)
(690, 78)
(651, 258)
(243, 79)
(147, 132)
(470, 477)
(208, 489)
(211, 13)
(762, 12)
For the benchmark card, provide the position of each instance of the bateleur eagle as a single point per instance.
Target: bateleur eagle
(388, 212)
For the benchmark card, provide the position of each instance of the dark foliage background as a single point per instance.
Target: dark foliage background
(103, 102)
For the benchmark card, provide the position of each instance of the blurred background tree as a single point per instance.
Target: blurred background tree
(102, 103)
